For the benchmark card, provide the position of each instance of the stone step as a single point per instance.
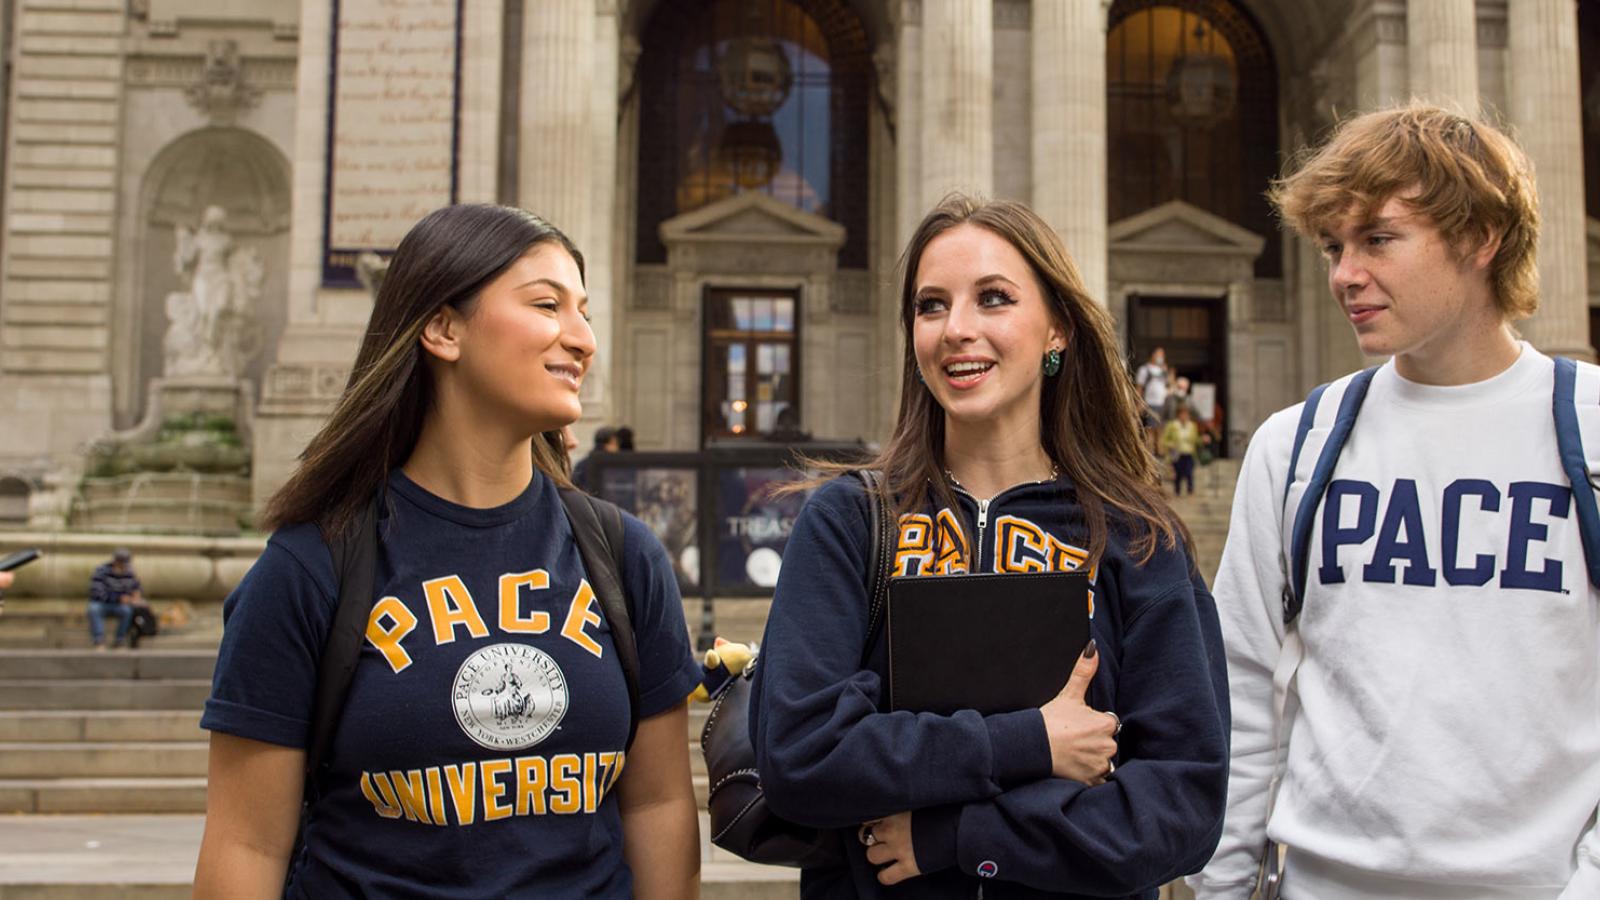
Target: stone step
(127, 664)
(102, 795)
(152, 857)
(151, 759)
(96, 726)
(76, 608)
(90, 694)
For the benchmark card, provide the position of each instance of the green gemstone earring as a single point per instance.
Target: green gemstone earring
(1052, 363)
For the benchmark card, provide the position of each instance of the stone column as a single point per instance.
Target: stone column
(599, 248)
(555, 146)
(957, 98)
(1069, 129)
(1442, 53)
(909, 207)
(566, 152)
(1544, 108)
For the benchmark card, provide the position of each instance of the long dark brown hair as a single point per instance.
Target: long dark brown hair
(446, 259)
(1089, 414)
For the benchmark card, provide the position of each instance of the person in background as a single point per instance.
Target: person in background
(625, 439)
(1180, 441)
(5, 582)
(1151, 380)
(1176, 399)
(605, 441)
(113, 591)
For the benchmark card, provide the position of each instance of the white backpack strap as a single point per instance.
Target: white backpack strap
(1576, 409)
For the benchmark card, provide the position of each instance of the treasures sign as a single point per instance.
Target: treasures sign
(395, 119)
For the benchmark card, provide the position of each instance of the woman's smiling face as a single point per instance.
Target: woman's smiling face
(981, 330)
(526, 343)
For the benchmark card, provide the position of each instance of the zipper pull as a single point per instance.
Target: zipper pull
(983, 514)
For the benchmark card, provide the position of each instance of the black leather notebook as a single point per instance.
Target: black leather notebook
(993, 643)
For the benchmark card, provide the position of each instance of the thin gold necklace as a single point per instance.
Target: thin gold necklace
(1055, 472)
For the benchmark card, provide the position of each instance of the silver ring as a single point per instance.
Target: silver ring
(866, 835)
(1117, 719)
(1112, 767)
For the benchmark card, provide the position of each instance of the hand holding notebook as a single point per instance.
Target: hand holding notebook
(1083, 740)
(1000, 643)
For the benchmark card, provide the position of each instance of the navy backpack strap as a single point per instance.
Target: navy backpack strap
(881, 520)
(597, 528)
(1308, 415)
(355, 565)
(1305, 514)
(1569, 443)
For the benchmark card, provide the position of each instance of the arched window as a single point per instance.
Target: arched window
(1192, 110)
(754, 95)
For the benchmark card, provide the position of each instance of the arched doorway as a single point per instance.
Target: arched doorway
(1192, 122)
(1192, 114)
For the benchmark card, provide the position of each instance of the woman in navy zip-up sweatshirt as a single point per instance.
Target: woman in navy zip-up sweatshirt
(1017, 448)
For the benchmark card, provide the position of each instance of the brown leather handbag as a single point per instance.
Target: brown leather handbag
(741, 823)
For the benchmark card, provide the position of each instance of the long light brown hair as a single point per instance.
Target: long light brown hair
(446, 259)
(1089, 413)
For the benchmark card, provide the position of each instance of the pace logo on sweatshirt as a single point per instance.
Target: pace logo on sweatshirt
(1425, 544)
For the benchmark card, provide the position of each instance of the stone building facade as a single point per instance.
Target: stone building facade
(741, 175)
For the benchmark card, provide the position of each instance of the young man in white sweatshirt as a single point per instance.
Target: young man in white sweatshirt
(1442, 732)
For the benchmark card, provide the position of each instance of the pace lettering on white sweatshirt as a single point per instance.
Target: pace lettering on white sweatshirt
(1444, 738)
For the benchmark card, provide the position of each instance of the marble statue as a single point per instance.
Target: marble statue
(212, 327)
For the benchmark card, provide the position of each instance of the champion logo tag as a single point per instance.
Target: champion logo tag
(988, 869)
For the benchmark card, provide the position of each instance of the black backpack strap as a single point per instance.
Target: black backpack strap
(355, 566)
(597, 527)
(882, 522)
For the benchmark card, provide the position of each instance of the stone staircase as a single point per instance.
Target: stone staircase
(103, 765)
(114, 732)
(1206, 512)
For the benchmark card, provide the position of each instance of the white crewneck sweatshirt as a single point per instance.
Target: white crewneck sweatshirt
(1445, 732)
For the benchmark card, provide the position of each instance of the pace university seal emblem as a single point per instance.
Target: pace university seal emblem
(509, 696)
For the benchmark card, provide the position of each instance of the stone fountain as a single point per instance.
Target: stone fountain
(185, 468)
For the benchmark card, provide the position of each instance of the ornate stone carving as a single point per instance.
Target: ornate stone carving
(221, 93)
(883, 61)
(212, 326)
(370, 270)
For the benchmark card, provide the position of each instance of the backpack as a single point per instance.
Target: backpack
(597, 529)
(1330, 412)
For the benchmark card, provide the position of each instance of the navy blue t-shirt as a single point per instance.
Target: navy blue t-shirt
(487, 717)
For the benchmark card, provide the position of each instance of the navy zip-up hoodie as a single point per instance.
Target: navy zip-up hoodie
(988, 819)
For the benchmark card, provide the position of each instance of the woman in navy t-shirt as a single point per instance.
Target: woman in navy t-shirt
(482, 747)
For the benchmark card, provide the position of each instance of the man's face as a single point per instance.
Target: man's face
(1401, 285)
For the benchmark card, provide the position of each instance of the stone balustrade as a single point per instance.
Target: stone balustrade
(200, 569)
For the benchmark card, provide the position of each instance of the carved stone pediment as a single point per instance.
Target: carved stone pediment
(1180, 228)
(752, 218)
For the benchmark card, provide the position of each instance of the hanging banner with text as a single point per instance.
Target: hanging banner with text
(394, 125)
